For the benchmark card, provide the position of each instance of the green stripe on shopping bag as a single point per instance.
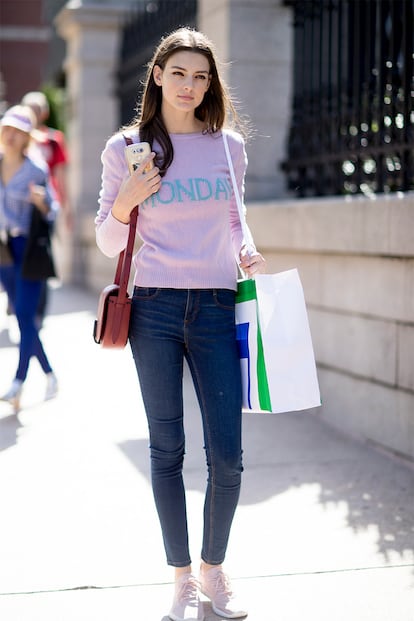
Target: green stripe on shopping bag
(264, 394)
(246, 291)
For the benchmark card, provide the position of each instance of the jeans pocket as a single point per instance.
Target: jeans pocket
(145, 293)
(224, 298)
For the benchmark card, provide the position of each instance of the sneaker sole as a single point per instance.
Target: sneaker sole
(234, 615)
(174, 617)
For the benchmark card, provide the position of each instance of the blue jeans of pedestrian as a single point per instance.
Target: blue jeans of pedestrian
(24, 296)
(168, 326)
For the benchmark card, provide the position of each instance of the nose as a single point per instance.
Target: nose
(189, 83)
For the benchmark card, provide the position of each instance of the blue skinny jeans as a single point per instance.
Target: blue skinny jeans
(24, 296)
(168, 326)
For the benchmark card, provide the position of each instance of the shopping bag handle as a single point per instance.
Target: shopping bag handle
(247, 236)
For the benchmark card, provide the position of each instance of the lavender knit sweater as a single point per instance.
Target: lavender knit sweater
(190, 229)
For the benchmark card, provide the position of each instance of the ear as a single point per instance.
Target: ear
(157, 75)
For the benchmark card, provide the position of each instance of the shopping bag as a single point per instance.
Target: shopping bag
(275, 346)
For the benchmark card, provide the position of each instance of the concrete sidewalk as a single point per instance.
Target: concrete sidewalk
(324, 530)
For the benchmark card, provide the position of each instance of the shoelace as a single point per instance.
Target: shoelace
(222, 585)
(188, 591)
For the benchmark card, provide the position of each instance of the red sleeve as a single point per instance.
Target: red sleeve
(58, 149)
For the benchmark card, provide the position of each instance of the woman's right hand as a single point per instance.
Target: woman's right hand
(135, 189)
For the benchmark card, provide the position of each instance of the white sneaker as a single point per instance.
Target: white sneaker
(51, 386)
(216, 586)
(186, 605)
(13, 394)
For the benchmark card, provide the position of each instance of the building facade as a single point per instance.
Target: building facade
(30, 52)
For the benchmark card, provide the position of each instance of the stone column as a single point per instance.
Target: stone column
(91, 31)
(255, 38)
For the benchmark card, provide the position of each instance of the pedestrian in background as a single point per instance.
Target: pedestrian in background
(24, 187)
(184, 295)
(49, 145)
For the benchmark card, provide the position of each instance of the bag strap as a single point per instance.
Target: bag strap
(247, 236)
(245, 229)
(123, 267)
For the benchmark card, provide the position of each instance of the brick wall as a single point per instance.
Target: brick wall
(24, 42)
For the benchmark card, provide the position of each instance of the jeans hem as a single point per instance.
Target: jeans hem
(172, 564)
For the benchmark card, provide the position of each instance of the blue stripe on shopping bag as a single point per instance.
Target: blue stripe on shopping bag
(242, 337)
(246, 291)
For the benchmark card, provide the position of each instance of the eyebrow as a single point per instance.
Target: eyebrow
(184, 69)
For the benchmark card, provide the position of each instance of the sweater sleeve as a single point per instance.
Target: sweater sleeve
(239, 159)
(111, 235)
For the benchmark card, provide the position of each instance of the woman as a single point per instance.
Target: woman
(23, 188)
(184, 295)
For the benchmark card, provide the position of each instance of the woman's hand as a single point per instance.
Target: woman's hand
(37, 196)
(135, 189)
(251, 262)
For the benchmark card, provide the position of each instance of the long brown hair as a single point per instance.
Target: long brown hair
(216, 110)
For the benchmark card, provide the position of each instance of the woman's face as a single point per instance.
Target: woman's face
(14, 139)
(184, 80)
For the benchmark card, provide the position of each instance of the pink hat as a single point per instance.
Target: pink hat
(20, 117)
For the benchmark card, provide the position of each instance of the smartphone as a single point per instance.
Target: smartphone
(135, 153)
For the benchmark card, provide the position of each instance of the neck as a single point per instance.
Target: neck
(11, 157)
(10, 163)
(185, 123)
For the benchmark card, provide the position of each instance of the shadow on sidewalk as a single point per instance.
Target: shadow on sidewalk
(286, 452)
(5, 340)
(9, 426)
(67, 299)
(297, 451)
(63, 300)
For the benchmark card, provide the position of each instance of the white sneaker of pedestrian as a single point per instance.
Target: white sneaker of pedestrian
(51, 386)
(13, 394)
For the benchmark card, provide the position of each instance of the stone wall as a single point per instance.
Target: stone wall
(356, 261)
(254, 42)
(91, 30)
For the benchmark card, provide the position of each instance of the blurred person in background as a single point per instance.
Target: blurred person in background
(26, 203)
(49, 144)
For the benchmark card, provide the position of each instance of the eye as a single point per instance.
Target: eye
(178, 73)
(201, 76)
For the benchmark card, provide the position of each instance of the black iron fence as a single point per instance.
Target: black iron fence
(352, 116)
(146, 24)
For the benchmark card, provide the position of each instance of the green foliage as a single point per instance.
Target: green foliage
(56, 99)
